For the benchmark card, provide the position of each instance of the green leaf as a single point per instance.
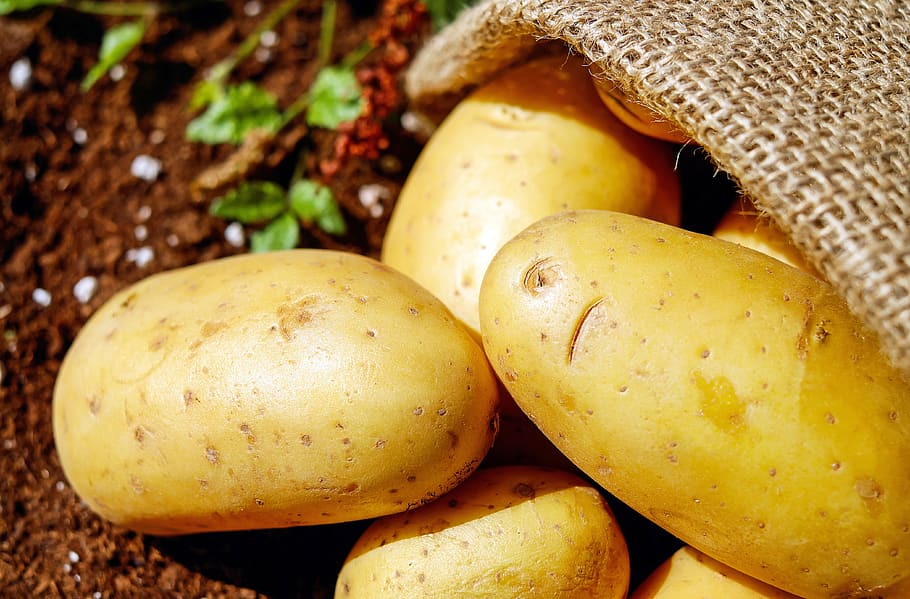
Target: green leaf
(204, 93)
(335, 97)
(8, 6)
(115, 45)
(443, 12)
(239, 110)
(251, 202)
(283, 233)
(315, 203)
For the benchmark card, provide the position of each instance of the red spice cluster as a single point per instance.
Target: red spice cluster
(400, 21)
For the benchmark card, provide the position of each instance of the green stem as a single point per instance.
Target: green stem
(128, 9)
(219, 73)
(327, 32)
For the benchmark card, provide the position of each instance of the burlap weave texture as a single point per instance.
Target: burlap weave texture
(806, 104)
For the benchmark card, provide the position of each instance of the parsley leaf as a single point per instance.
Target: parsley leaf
(231, 116)
(283, 233)
(313, 202)
(115, 45)
(251, 202)
(334, 98)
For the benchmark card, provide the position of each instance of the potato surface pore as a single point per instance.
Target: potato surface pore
(509, 531)
(534, 141)
(270, 390)
(732, 399)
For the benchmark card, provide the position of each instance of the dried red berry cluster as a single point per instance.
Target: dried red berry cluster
(400, 21)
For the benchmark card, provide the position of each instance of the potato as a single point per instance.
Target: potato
(690, 573)
(732, 399)
(270, 390)
(635, 116)
(534, 141)
(745, 225)
(511, 531)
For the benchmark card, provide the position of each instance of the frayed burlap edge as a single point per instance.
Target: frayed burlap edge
(809, 111)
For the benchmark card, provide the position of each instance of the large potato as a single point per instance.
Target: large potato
(690, 574)
(727, 396)
(269, 390)
(744, 224)
(534, 141)
(511, 531)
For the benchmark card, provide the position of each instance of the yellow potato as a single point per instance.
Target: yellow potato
(270, 390)
(732, 399)
(534, 141)
(690, 574)
(745, 225)
(637, 117)
(512, 531)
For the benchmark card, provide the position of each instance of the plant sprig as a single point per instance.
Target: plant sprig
(234, 111)
(118, 41)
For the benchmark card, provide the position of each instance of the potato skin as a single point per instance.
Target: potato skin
(690, 573)
(270, 390)
(534, 141)
(730, 398)
(509, 531)
(745, 225)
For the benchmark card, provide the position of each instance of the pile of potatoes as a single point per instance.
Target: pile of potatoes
(540, 336)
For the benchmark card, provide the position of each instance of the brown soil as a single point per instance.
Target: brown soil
(70, 208)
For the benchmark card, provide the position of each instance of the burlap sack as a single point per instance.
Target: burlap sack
(805, 103)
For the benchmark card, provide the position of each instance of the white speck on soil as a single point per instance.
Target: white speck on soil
(234, 235)
(141, 232)
(145, 167)
(20, 74)
(67, 568)
(60, 486)
(263, 55)
(144, 213)
(268, 39)
(42, 297)
(372, 194)
(6, 310)
(156, 137)
(117, 72)
(85, 289)
(80, 136)
(252, 8)
(73, 557)
(172, 240)
(141, 257)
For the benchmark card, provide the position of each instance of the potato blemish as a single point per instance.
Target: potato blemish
(541, 274)
(720, 404)
(593, 314)
(293, 316)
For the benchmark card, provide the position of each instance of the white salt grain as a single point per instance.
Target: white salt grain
(85, 289)
(80, 136)
(20, 74)
(42, 297)
(145, 167)
(117, 72)
(233, 234)
(141, 256)
(269, 39)
(252, 8)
